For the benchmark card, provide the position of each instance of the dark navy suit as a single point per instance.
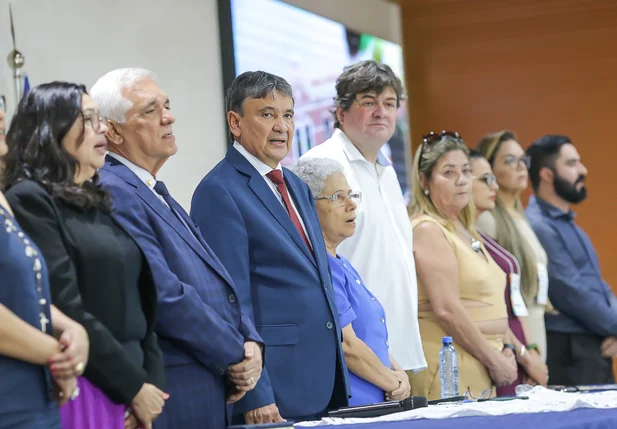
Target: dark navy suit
(284, 287)
(200, 325)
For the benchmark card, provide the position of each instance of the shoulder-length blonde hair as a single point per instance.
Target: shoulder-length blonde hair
(508, 235)
(422, 204)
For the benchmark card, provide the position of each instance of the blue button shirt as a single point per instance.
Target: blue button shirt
(24, 387)
(358, 306)
(585, 302)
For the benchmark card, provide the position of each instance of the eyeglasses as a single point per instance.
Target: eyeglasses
(340, 198)
(489, 179)
(432, 137)
(513, 162)
(94, 119)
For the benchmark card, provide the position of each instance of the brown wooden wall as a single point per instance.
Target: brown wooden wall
(533, 66)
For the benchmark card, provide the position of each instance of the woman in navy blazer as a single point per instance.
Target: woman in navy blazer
(27, 344)
(98, 274)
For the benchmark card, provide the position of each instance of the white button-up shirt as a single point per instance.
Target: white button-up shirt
(143, 174)
(381, 249)
(149, 180)
(263, 170)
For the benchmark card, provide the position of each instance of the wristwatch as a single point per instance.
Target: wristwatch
(511, 347)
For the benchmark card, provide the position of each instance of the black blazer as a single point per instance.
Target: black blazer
(71, 241)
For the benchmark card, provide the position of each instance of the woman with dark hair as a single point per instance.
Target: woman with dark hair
(98, 274)
(28, 324)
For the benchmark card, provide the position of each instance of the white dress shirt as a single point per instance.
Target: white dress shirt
(263, 170)
(381, 249)
(149, 180)
(143, 174)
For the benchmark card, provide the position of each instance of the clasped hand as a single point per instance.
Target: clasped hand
(242, 377)
(73, 358)
(404, 389)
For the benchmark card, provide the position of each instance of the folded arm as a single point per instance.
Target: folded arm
(364, 363)
(22, 341)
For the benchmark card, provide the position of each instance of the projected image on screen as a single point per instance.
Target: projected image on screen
(310, 52)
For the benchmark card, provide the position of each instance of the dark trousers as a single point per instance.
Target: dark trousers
(575, 359)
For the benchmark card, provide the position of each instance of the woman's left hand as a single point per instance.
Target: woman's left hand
(64, 389)
(404, 389)
(72, 361)
(535, 368)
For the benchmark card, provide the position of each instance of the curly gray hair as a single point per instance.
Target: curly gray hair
(315, 171)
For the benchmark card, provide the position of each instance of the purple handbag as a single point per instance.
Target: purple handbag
(92, 409)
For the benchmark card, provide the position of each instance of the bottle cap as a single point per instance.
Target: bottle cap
(446, 340)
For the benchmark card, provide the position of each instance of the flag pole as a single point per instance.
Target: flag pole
(16, 61)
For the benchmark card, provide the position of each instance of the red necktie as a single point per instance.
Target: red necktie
(277, 178)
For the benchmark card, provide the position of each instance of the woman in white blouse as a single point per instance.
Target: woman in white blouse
(509, 227)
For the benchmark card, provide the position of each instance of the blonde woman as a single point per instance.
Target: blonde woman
(460, 287)
(507, 224)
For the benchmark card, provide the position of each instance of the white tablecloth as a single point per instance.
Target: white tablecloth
(540, 400)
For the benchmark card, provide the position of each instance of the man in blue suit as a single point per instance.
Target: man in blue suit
(212, 352)
(260, 220)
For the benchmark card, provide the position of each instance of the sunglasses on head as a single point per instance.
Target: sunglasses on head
(432, 137)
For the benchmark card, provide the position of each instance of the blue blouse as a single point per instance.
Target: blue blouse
(24, 387)
(358, 306)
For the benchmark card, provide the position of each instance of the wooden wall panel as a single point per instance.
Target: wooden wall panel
(533, 66)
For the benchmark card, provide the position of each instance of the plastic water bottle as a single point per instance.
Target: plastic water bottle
(448, 369)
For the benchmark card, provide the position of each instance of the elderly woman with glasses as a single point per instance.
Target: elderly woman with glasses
(374, 375)
(460, 287)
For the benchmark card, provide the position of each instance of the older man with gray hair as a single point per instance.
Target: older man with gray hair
(368, 95)
(212, 352)
(374, 375)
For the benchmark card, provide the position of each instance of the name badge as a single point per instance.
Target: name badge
(542, 297)
(516, 297)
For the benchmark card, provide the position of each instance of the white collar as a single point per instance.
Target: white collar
(143, 174)
(261, 168)
(353, 153)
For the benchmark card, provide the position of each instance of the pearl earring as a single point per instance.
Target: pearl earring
(426, 192)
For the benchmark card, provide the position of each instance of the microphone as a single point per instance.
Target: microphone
(381, 408)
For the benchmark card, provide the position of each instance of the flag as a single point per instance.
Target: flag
(26, 85)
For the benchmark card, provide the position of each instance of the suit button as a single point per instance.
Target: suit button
(383, 320)
(232, 298)
(329, 325)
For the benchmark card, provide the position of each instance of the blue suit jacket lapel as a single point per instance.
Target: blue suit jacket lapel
(212, 259)
(259, 186)
(303, 211)
(199, 246)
